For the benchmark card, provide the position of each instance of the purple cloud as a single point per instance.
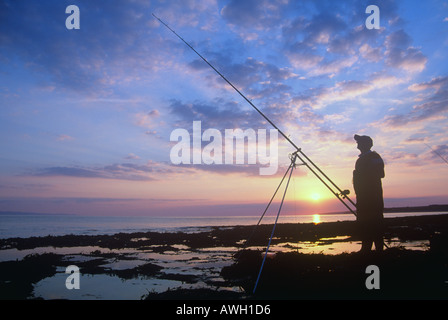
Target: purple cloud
(433, 106)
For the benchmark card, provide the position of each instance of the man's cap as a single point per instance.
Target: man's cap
(363, 139)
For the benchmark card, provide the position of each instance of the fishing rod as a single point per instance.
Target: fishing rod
(342, 195)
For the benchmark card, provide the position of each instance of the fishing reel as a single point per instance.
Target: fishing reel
(344, 194)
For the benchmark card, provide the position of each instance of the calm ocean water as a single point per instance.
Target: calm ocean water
(28, 225)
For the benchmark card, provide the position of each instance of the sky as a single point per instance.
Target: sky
(87, 115)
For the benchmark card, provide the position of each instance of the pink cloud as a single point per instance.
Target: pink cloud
(64, 137)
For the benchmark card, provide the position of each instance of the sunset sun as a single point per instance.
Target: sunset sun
(315, 197)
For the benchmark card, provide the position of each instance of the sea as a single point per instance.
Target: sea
(20, 225)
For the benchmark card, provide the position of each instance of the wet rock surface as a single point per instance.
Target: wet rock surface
(223, 262)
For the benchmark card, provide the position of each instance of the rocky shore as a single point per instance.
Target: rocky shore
(223, 263)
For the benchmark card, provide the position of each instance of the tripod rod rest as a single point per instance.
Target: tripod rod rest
(293, 157)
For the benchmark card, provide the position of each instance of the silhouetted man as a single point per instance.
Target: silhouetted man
(369, 170)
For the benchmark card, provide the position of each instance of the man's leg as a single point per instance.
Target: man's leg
(378, 235)
(366, 245)
(379, 242)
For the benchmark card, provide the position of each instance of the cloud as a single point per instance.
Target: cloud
(256, 78)
(410, 59)
(112, 46)
(132, 156)
(398, 39)
(124, 171)
(147, 119)
(64, 137)
(326, 43)
(369, 53)
(187, 13)
(432, 106)
(150, 171)
(322, 43)
(69, 172)
(334, 66)
(321, 28)
(253, 14)
(422, 155)
(151, 121)
(250, 170)
(439, 152)
(350, 40)
(334, 39)
(218, 113)
(319, 98)
(303, 38)
(302, 57)
(438, 83)
(400, 54)
(415, 140)
(93, 205)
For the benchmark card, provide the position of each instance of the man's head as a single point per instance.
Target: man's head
(364, 143)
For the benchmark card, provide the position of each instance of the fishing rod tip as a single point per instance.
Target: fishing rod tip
(155, 16)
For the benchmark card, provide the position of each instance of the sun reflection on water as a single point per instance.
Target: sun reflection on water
(316, 219)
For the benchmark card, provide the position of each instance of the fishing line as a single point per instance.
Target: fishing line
(437, 153)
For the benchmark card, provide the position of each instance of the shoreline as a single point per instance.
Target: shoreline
(43, 225)
(204, 265)
(423, 209)
(231, 235)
